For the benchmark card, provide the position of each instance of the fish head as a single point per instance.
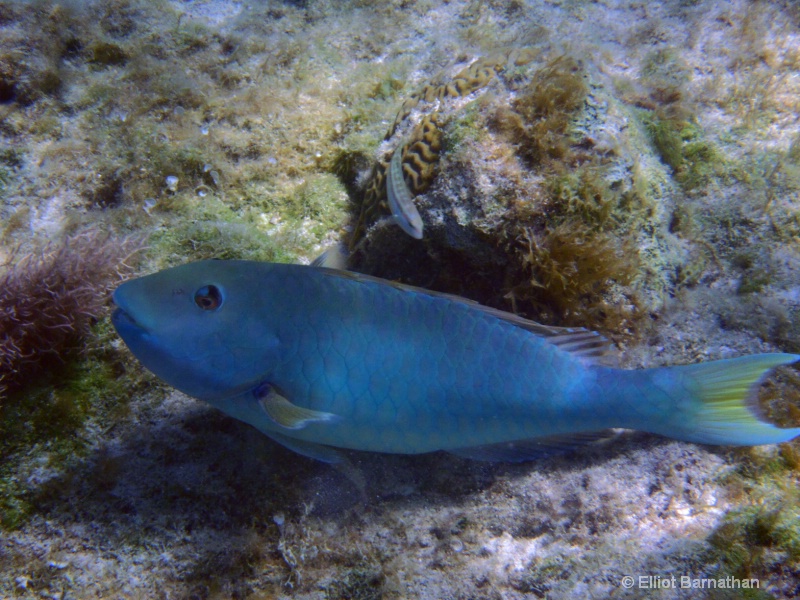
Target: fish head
(200, 327)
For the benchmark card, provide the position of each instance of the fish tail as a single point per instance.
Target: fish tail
(717, 402)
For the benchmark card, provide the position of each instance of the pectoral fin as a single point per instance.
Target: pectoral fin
(286, 414)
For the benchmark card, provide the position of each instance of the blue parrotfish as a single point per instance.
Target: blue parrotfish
(320, 359)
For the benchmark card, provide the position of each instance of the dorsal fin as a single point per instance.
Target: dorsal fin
(334, 257)
(580, 342)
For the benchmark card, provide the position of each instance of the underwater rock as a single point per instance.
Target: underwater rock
(537, 191)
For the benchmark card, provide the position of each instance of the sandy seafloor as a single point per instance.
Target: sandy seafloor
(172, 499)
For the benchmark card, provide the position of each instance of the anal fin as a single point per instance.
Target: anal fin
(324, 454)
(319, 452)
(534, 448)
(286, 414)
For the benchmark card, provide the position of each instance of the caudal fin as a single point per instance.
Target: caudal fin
(718, 401)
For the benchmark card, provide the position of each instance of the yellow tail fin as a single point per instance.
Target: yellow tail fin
(721, 404)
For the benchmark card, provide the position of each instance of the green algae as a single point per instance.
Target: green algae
(144, 118)
(762, 529)
(262, 224)
(701, 161)
(464, 128)
(202, 239)
(665, 70)
(46, 426)
(671, 123)
(772, 177)
(681, 145)
(753, 282)
(584, 194)
(10, 160)
(106, 54)
(321, 199)
(362, 582)
(538, 578)
(5, 177)
(666, 139)
(751, 538)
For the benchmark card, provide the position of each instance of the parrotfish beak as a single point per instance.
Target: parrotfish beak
(129, 323)
(130, 319)
(122, 320)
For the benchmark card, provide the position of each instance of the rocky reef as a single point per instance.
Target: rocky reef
(629, 167)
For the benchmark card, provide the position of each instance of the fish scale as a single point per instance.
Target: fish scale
(318, 358)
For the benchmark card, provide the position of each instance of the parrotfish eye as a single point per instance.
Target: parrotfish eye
(208, 297)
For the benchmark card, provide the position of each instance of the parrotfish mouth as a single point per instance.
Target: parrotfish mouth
(122, 319)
